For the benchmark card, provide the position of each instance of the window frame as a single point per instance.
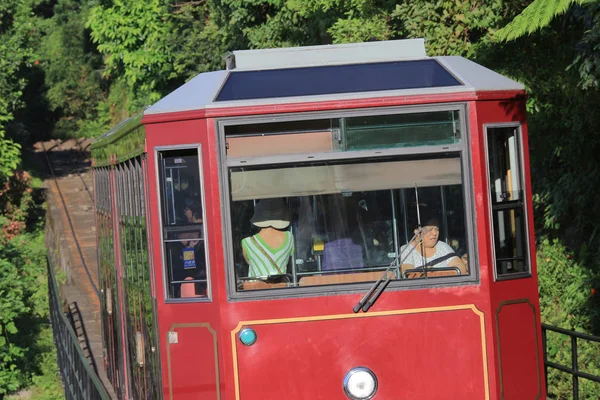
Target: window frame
(521, 157)
(462, 150)
(159, 187)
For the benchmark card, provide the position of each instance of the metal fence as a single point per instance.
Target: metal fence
(79, 380)
(573, 370)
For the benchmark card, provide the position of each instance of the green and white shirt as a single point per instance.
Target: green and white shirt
(261, 256)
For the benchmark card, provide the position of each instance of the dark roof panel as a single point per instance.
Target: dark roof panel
(334, 79)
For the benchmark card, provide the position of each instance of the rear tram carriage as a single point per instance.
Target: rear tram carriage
(330, 222)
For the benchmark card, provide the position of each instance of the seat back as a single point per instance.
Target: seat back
(353, 277)
(431, 272)
(342, 254)
(256, 285)
(188, 289)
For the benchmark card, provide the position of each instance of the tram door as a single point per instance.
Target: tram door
(138, 302)
(109, 306)
(188, 313)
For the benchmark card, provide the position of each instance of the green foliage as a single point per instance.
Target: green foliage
(132, 37)
(72, 71)
(23, 287)
(10, 156)
(541, 13)
(16, 34)
(566, 293)
(273, 23)
(352, 30)
(587, 60)
(536, 16)
(451, 28)
(568, 299)
(196, 42)
(46, 385)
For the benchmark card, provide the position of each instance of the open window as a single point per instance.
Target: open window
(185, 269)
(355, 192)
(509, 218)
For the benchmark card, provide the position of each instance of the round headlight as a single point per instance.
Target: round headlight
(360, 383)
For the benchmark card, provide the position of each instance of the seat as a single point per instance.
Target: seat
(353, 277)
(257, 285)
(342, 254)
(188, 289)
(417, 273)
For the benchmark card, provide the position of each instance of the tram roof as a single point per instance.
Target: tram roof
(331, 72)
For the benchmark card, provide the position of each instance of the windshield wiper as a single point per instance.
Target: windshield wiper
(371, 296)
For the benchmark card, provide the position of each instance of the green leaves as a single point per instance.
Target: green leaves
(23, 284)
(10, 156)
(566, 300)
(536, 16)
(353, 30)
(17, 36)
(131, 35)
(450, 27)
(72, 71)
(23, 291)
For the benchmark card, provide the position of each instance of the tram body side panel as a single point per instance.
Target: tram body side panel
(514, 302)
(189, 331)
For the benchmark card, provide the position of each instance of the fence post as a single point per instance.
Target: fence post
(545, 344)
(575, 368)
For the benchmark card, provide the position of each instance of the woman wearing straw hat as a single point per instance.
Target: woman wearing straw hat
(268, 252)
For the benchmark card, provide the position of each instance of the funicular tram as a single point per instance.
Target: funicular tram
(329, 222)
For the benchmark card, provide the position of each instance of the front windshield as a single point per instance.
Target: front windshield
(329, 223)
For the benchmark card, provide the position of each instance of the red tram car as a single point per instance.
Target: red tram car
(329, 222)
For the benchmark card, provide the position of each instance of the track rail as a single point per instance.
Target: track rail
(74, 166)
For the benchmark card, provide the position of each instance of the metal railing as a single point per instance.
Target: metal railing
(79, 380)
(573, 370)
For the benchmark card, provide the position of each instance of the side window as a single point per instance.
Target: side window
(186, 272)
(507, 200)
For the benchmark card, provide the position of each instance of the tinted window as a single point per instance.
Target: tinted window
(183, 224)
(508, 207)
(246, 85)
(344, 134)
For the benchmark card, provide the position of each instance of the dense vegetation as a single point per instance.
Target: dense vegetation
(73, 68)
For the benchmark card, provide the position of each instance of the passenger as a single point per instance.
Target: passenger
(268, 252)
(193, 256)
(192, 213)
(429, 251)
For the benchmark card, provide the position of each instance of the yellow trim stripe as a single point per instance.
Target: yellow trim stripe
(471, 307)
